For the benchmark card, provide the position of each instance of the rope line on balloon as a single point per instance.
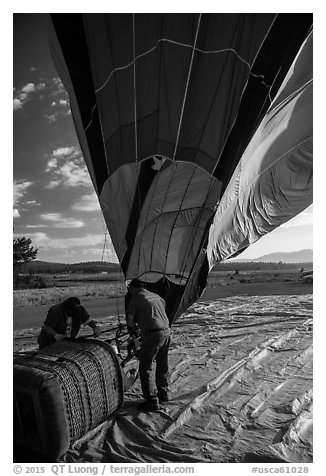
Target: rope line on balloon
(165, 40)
(177, 43)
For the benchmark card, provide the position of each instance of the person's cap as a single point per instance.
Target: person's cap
(72, 302)
(135, 283)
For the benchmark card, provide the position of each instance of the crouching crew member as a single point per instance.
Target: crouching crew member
(64, 320)
(147, 310)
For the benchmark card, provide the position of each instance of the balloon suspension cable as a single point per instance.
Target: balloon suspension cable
(117, 297)
(104, 245)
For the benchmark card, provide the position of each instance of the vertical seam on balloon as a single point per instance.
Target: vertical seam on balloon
(135, 97)
(177, 137)
(264, 39)
(195, 229)
(178, 134)
(186, 89)
(135, 119)
(155, 181)
(243, 91)
(173, 165)
(103, 140)
(176, 217)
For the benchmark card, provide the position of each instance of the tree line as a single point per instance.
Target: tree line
(24, 261)
(44, 267)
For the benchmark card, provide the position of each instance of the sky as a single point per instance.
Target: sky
(54, 201)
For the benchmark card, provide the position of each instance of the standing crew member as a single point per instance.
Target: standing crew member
(147, 310)
(64, 320)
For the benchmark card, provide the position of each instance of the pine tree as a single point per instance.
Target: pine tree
(24, 252)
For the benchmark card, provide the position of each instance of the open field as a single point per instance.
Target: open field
(240, 375)
(105, 300)
(105, 286)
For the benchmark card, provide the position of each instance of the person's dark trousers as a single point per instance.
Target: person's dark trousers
(155, 346)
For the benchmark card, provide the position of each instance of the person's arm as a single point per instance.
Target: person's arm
(93, 325)
(131, 317)
(88, 321)
(131, 326)
(53, 333)
(50, 324)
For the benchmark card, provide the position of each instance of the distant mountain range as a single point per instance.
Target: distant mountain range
(302, 256)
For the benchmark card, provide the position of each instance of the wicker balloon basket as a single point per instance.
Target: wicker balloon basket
(63, 391)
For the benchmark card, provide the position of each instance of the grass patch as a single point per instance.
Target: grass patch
(39, 297)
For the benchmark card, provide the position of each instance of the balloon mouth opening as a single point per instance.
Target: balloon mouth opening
(151, 277)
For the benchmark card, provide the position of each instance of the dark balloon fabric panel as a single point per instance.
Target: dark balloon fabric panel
(165, 107)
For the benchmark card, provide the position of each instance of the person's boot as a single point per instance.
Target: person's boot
(162, 398)
(148, 406)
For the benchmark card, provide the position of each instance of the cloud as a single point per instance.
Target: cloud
(87, 203)
(26, 93)
(52, 164)
(58, 221)
(304, 218)
(16, 213)
(70, 152)
(51, 117)
(56, 87)
(69, 175)
(75, 175)
(53, 184)
(59, 105)
(85, 248)
(50, 91)
(42, 240)
(20, 188)
(18, 104)
(66, 168)
(36, 226)
(29, 88)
